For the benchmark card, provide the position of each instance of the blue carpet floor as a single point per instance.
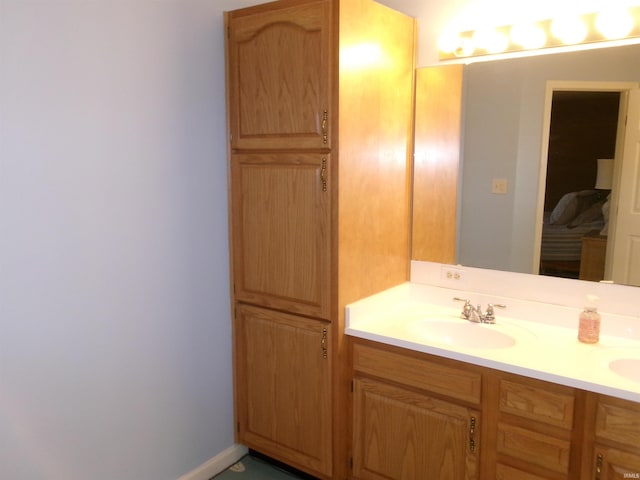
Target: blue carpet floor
(252, 468)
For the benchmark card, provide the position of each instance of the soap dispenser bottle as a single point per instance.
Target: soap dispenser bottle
(589, 326)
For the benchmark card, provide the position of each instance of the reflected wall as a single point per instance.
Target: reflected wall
(503, 110)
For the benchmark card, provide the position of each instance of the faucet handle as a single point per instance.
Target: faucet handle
(491, 306)
(490, 316)
(467, 310)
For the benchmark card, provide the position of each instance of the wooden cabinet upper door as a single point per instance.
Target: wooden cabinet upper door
(281, 234)
(283, 386)
(403, 435)
(278, 73)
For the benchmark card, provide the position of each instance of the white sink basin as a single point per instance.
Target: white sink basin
(462, 333)
(628, 368)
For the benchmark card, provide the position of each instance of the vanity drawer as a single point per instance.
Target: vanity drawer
(618, 420)
(534, 447)
(418, 372)
(538, 402)
(505, 472)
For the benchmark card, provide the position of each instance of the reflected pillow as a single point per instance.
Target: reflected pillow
(591, 214)
(565, 210)
(571, 205)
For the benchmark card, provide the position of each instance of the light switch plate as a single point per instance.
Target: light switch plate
(499, 186)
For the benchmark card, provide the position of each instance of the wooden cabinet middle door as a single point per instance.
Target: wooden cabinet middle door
(281, 231)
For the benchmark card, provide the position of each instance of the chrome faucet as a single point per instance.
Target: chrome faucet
(474, 314)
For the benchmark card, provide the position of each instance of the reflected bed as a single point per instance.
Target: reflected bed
(563, 230)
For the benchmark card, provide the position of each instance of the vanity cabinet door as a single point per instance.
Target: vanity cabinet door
(404, 435)
(617, 432)
(614, 464)
(283, 387)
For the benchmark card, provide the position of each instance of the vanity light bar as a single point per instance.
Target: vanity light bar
(619, 24)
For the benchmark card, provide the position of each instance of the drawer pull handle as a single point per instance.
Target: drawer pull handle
(325, 121)
(472, 434)
(323, 174)
(323, 343)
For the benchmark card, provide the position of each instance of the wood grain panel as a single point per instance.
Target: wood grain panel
(618, 420)
(533, 447)
(284, 386)
(278, 95)
(616, 464)
(421, 373)
(375, 118)
(406, 436)
(537, 402)
(281, 216)
(505, 472)
(436, 163)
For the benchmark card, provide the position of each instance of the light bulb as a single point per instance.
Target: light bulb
(614, 23)
(466, 48)
(569, 29)
(490, 40)
(528, 35)
(449, 42)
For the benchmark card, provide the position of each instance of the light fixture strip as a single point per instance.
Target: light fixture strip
(467, 47)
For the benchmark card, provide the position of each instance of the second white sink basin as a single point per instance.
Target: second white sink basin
(626, 367)
(462, 333)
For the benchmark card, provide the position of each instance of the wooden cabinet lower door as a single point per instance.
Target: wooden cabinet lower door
(403, 435)
(283, 386)
(614, 464)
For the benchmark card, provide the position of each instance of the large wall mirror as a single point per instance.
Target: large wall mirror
(508, 108)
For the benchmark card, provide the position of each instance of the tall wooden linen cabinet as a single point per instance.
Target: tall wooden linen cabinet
(319, 96)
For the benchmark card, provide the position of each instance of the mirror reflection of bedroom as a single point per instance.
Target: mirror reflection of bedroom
(582, 145)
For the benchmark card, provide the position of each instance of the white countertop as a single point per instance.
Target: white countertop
(545, 336)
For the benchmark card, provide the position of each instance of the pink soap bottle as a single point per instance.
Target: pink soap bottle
(589, 326)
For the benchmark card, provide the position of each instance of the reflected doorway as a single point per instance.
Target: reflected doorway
(582, 134)
(548, 204)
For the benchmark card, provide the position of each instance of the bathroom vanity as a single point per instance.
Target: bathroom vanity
(421, 414)
(436, 396)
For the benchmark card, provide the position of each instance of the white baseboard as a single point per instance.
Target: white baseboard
(217, 464)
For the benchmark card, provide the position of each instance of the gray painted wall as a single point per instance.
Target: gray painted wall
(115, 338)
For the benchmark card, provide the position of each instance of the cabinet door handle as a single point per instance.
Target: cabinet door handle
(472, 434)
(323, 343)
(324, 125)
(323, 174)
(599, 460)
